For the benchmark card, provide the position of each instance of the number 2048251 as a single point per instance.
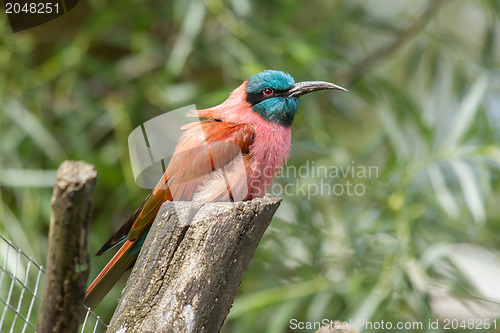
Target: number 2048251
(32, 8)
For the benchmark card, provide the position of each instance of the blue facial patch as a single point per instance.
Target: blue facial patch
(267, 93)
(279, 110)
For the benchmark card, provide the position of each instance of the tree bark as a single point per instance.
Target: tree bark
(68, 259)
(191, 266)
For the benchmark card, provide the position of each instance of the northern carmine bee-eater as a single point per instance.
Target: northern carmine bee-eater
(253, 124)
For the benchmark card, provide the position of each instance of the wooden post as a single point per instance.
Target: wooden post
(68, 259)
(191, 266)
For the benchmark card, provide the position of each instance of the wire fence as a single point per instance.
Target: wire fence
(21, 281)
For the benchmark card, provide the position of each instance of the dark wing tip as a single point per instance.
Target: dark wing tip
(111, 243)
(119, 236)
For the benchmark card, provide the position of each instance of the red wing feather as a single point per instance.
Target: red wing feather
(203, 148)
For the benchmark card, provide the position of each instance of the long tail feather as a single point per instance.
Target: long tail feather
(103, 283)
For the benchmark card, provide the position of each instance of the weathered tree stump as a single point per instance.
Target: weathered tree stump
(68, 258)
(191, 266)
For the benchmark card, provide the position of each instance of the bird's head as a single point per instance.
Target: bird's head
(274, 95)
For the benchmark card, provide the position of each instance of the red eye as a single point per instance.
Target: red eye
(268, 91)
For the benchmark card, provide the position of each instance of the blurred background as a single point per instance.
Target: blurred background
(421, 242)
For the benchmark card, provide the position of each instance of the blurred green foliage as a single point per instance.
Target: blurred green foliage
(423, 108)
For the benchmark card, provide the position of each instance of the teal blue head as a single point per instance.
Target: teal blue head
(274, 95)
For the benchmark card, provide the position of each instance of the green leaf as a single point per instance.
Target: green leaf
(464, 117)
(34, 128)
(443, 194)
(470, 189)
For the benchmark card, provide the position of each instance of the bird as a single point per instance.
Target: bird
(232, 153)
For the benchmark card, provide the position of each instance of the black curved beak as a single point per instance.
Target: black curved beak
(301, 88)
